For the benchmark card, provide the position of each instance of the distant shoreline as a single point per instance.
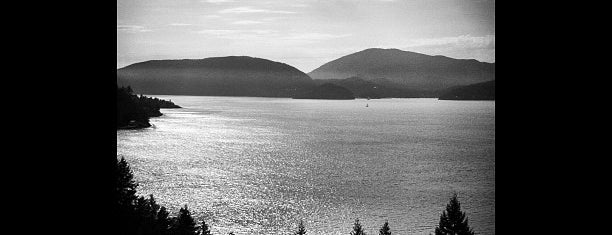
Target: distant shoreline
(356, 98)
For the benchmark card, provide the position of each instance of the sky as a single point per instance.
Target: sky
(302, 33)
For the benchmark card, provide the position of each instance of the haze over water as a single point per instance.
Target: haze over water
(259, 165)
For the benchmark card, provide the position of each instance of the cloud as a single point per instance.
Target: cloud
(463, 41)
(247, 22)
(242, 10)
(270, 36)
(132, 29)
(218, 1)
(312, 37)
(179, 24)
(235, 33)
(481, 48)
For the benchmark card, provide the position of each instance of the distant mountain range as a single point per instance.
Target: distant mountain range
(375, 88)
(407, 69)
(373, 73)
(216, 76)
(327, 91)
(478, 91)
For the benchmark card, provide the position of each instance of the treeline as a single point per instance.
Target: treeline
(478, 91)
(143, 216)
(134, 111)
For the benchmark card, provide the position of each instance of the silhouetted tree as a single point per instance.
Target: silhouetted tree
(453, 221)
(146, 215)
(204, 230)
(184, 223)
(143, 216)
(357, 229)
(385, 230)
(162, 225)
(133, 111)
(124, 197)
(125, 186)
(301, 229)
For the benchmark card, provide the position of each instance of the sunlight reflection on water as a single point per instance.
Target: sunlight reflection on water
(258, 165)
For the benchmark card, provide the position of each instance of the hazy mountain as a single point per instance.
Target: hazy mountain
(326, 91)
(478, 91)
(375, 88)
(407, 69)
(216, 76)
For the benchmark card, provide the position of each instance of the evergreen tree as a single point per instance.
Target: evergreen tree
(125, 186)
(204, 230)
(184, 223)
(146, 215)
(301, 229)
(385, 230)
(357, 229)
(162, 223)
(124, 198)
(453, 221)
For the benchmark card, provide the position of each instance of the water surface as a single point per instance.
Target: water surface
(259, 165)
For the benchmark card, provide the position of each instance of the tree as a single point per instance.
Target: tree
(125, 186)
(162, 225)
(184, 223)
(204, 229)
(146, 213)
(301, 229)
(124, 198)
(453, 221)
(357, 229)
(385, 230)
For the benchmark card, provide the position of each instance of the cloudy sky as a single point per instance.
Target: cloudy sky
(302, 33)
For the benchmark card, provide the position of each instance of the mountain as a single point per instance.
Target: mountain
(215, 76)
(375, 88)
(326, 91)
(478, 91)
(407, 69)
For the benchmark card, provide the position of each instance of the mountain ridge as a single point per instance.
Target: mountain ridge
(406, 68)
(217, 76)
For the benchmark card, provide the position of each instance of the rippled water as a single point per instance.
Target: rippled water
(259, 165)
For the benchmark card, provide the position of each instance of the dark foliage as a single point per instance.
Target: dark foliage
(124, 196)
(184, 224)
(301, 229)
(134, 111)
(204, 230)
(385, 230)
(357, 229)
(453, 221)
(478, 91)
(125, 186)
(162, 227)
(140, 215)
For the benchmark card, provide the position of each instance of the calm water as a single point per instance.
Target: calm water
(259, 165)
